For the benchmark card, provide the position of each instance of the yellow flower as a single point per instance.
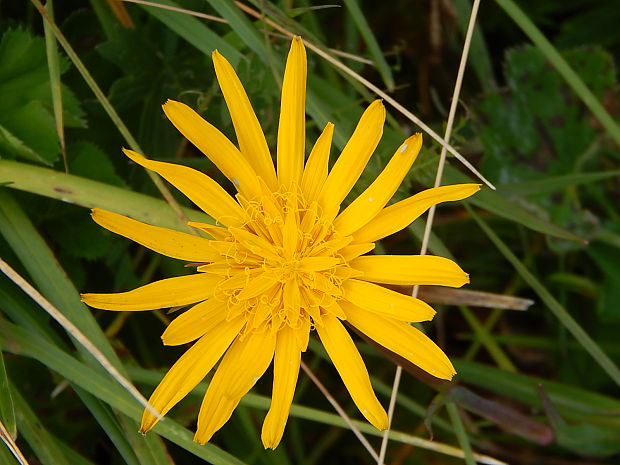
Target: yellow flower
(283, 260)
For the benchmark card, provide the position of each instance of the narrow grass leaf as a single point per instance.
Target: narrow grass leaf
(371, 42)
(20, 342)
(54, 70)
(460, 432)
(193, 31)
(556, 308)
(242, 26)
(562, 67)
(38, 438)
(7, 410)
(88, 193)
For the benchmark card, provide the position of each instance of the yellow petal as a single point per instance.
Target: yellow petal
(198, 187)
(373, 199)
(165, 241)
(285, 371)
(402, 339)
(292, 125)
(315, 172)
(216, 232)
(386, 302)
(195, 322)
(244, 363)
(257, 285)
(215, 145)
(249, 132)
(350, 366)
(410, 269)
(171, 292)
(353, 159)
(403, 213)
(190, 369)
(355, 250)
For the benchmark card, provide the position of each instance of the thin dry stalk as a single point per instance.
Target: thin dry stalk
(431, 212)
(76, 333)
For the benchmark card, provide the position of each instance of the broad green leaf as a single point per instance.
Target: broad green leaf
(90, 194)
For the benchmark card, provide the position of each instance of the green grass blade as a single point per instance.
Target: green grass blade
(193, 31)
(460, 432)
(556, 308)
(371, 42)
(54, 70)
(105, 103)
(479, 56)
(20, 342)
(574, 403)
(554, 183)
(562, 67)
(244, 28)
(38, 438)
(88, 193)
(7, 409)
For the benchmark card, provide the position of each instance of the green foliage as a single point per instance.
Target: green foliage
(529, 128)
(27, 119)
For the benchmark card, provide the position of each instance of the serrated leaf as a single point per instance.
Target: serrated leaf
(34, 125)
(89, 161)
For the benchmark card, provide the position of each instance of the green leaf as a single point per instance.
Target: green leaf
(556, 307)
(240, 23)
(193, 31)
(39, 439)
(7, 410)
(608, 260)
(89, 161)
(18, 341)
(90, 194)
(371, 42)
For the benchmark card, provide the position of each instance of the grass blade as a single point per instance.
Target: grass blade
(562, 67)
(88, 193)
(54, 70)
(7, 409)
(556, 308)
(371, 42)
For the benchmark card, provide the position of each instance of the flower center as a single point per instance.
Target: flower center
(284, 266)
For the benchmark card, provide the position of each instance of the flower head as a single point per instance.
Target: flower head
(283, 259)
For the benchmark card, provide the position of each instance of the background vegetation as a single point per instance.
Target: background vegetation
(538, 116)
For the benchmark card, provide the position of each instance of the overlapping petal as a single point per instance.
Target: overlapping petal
(286, 364)
(350, 366)
(198, 187)
(170, 292)
(244, 363)
(386, 302)
(410, 269)
(195, 322)
(402, 339)
(249, 132)
(190, 369)
(215, 145)
(165, 241)
(353, 159)
(315, 171)
(376, 196)
(292, 124)
(401, 214)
